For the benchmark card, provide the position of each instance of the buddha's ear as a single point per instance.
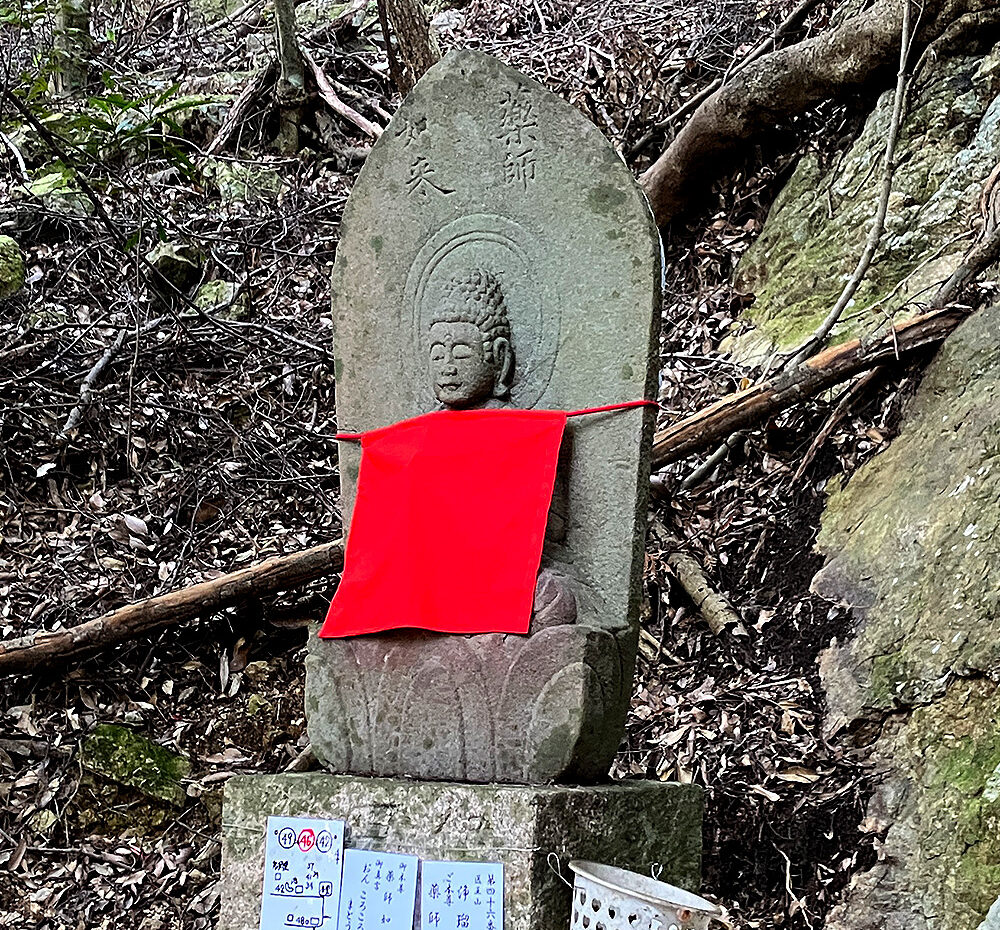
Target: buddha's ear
(503, 358)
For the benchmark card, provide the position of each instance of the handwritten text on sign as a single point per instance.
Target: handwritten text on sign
(461, 896)
(302, 864)
(380, 891)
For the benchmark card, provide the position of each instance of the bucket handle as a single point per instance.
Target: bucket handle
(552, 861)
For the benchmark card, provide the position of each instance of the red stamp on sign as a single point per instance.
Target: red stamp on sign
(306, 840)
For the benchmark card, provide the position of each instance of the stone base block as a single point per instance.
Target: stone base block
(633, 824)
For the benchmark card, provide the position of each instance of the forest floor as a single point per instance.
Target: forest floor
(209, 445)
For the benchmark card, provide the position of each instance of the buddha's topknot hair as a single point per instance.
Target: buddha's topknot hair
(476, 297)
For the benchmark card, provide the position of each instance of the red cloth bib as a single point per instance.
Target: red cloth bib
(449, 522)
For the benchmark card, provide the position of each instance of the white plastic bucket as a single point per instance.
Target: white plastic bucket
(608, 898)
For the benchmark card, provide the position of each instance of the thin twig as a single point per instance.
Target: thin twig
(95, 374)
(838, 414)
(238, 13)
(713, 461)
(18, 157)
(818, 339)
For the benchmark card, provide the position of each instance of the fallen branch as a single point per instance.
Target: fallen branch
(88, 385)
(329, 96)
(755, 404)
(95, 374)
(702, 429)
(277, 574)
(714, 608)
(706, 468)
(305, 761)
(239, 108)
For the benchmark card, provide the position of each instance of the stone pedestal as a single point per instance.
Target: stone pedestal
(631, 824)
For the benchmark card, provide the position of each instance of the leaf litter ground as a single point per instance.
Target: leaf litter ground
(208, 446)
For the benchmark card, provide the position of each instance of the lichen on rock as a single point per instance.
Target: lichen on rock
(913, 546)
(940, 799)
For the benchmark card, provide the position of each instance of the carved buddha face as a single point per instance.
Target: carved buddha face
(471, 360)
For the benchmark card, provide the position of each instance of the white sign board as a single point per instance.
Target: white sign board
(379, 891)
(461, 896)
(302, 867)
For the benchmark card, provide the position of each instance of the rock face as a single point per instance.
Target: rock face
(815, 233)
(914, 546)
(941, 802)
(914, 540)
(482, 172)
(630, 824)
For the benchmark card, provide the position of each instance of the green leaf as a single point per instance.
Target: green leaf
(51, 183)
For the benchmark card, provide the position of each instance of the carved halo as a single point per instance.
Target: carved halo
(504, 248)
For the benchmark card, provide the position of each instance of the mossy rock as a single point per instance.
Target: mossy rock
(178, 263)
(913, 546)
(222, 299)
(913, 540)
(11, 267)
(817, 227)
(56, 187)
(132, 760)
(242, 183)
(940, 800)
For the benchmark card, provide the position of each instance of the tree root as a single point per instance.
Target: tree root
(855, 56)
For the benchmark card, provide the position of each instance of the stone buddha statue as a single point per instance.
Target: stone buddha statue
(471, 363)
(461, 286)
(471, 355)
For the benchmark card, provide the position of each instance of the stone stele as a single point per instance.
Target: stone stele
(486, 187)
(645, 826)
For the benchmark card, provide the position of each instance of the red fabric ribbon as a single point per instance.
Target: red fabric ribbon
(449, 522)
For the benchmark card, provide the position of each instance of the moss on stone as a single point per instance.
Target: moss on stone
(241, 183)
(940, 867)
(132, 760)
(11, 267)
(952, 750)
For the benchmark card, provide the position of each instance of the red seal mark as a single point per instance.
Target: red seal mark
(306, 840)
